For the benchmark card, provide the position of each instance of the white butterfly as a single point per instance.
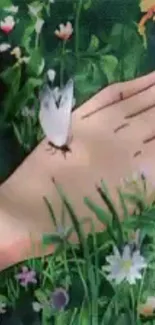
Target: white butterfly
(55, 114)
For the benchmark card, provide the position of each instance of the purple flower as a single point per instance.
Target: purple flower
(59, 299)
(26, 276)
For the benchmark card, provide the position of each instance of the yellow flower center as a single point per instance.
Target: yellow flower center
(126, 265)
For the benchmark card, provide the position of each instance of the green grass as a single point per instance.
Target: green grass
(77, 268)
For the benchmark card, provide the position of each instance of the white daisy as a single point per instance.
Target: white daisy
(126, 266)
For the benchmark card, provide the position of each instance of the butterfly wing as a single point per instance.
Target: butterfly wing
(65, 110)
(55, 121)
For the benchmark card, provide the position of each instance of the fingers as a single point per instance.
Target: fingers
(138, 104)
(133, 87)
(116, 93)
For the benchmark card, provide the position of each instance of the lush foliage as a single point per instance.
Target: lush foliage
(102, 45)
(107, 278)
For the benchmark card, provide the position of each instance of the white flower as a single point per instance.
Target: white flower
(51, 1)
(4, 47)
(39, 24)
(127, 266)
(36, 306)
(18, 55)
(51, 74)
(35, 9)
(11, 9)
(2, 307)
(7, 24)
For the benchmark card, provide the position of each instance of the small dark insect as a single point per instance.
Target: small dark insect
(64, 149)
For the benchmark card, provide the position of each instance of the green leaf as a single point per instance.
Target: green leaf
(123, 204)
(74, 218)
(41, 296)
(17, 133)
(108, 64)
(116, 223)
(27, 92)
(3, 299)
(26, 39)
(51, 211)
(87, 4)
(49, 239)
(36, 63)
(103, 216)
(88, 79)
(115, 36)
(5, 3)
(94, 44)
(12, 76)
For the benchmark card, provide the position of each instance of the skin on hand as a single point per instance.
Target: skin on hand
(101, 149)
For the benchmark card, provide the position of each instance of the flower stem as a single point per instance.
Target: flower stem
(62, 64)
(37, 41)
(132, 301)
(77, 27)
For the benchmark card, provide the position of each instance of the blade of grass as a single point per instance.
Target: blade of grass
(72, 215)
(123, 204)
(51, 211)
(102, 216)
(111, 207)
(136, 199)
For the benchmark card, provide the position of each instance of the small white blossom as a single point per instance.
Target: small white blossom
(36, 306)
(4, 47)
(18, 55)
(2, 307)
(51, 74)
(51, 1)
(39, 24)
(12, 9)
(127, 266)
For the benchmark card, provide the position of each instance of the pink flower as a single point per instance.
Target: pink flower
(64, 32)
(26, 276)
(7, 25)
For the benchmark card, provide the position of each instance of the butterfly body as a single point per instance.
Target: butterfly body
(55, 115)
